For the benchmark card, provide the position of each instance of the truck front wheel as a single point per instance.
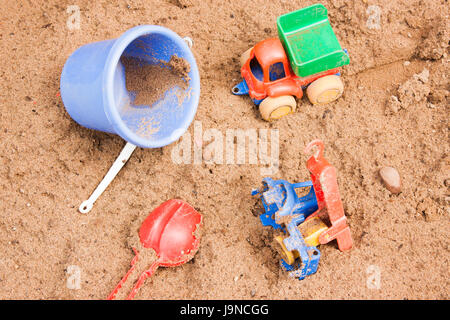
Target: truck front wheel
(275, 108)
(325, 89)
(288, 256)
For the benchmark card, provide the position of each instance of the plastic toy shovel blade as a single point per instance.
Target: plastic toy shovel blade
(173, 231)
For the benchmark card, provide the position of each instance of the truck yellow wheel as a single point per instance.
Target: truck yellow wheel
(325, 89)
(275, 108)
(287, 255)
(245, 56)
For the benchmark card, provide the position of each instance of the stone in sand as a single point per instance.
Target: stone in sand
(391, 179)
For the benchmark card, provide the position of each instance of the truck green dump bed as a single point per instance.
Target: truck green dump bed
(309, 41)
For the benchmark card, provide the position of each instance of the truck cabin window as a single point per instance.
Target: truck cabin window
(256, 69)
(276, 71)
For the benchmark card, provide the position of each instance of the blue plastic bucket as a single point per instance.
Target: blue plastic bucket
(93, 88)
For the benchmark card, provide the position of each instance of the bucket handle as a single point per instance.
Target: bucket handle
(189, 41)
(123, 157)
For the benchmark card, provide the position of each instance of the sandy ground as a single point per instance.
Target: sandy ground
(49, 164)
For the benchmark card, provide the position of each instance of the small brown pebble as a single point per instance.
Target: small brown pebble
(391, 179)
(447, 182)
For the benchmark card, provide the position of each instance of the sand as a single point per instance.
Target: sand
(150, 82)
(387, 116)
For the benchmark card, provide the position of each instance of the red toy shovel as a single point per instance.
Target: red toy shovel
(173, 231)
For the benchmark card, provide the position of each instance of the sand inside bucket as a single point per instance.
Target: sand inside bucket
(150, 83)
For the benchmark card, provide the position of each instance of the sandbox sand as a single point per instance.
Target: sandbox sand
(394, 112)
(150, 83)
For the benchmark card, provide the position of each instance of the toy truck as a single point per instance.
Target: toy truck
(307, 55)
(305, 222)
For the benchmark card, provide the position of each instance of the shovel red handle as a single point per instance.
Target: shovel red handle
(140, 281)
(144, 275)
(113, 294)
